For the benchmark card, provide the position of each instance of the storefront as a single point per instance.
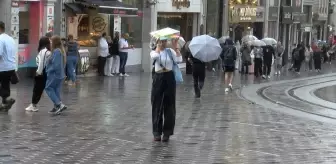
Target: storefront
(184, 16)
(87, 20)
(285, 27)
(26, 21)
(246, 20)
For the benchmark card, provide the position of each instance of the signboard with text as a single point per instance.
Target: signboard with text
(242, 14)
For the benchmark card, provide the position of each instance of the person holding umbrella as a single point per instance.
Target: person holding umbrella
(269, 53)
(229, 56)
(198, 72)
(163, 95)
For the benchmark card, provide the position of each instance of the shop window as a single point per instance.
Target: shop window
(23, 27)
(132, 26)
(84, 37)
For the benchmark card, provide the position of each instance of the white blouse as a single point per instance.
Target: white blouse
(41, 60)
(163, 59)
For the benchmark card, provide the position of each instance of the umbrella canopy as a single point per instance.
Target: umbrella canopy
(205, 48)
(223, 39)
(257, 43)
(270, 41)
(165, 33)
(248, 38)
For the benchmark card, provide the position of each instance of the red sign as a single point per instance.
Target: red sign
(15, 4)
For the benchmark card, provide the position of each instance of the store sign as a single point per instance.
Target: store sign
(243, 14)
(286, 15)
(98, 24)
(181, 3)
(118, 11)
(15, 4)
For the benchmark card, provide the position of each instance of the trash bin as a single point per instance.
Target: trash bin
(84, 61)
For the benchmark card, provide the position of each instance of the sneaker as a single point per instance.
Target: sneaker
(263, 76)
(32, 108)
(8, 105)
(126, 75)
(157, 138)
(60, 109)
(53, 110)
(230, 86)
(213, 69)
(227, 90)
(276, 73)
(111, 75)
(268, 77)
(121, 75)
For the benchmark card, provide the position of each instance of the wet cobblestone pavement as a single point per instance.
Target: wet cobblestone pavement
(109, 121)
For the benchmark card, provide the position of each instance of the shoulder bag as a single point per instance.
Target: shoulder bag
(176, 68)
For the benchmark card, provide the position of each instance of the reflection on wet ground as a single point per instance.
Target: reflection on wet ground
(109, 121)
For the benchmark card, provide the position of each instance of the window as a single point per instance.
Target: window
(133, 25)
(23, 27)
(212, 18)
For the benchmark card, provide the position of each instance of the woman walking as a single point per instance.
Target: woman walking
(40, 77)
(229, 56)
(245, 58)
(198, 72)
(258, 61)
(308, 58)
(55, 74)
(317, 57)
(278, 58)
(163, 96)
(72, 59)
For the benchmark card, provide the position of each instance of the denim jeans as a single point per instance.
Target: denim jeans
(71, 67)
(53, 89)
(123, 60)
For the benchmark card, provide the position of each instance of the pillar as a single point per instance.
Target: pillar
(226, 18)
(149, 23)
(266, 18)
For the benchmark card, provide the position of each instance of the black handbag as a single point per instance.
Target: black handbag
(15, 78)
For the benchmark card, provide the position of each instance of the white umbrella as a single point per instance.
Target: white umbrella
(248, 38)
(269, 41)
(205, 48)
(258, 43)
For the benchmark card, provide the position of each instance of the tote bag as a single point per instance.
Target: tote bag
(176, 68)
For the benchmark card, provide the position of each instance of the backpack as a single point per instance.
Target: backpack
(296, 54)
(228, 55)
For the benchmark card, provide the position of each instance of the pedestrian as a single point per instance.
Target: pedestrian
(102, 54)
(198, 72)
(317, 57)
(163, 96)
(41, 76)
(109, 59)
(72, 59)
(258, 60)
(291, 68)
(114, 50)
(123, 53)
(245, 58)
(55, 74)
(298, 56)
(229, 56)
(8, 51)
(269, 53)
(308, 58)
(278, 58)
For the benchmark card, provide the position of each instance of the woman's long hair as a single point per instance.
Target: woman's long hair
(56, 43)
(44, 43)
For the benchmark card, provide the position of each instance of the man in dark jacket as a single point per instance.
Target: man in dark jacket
(229, 56)
(198, 72)
(298, 57)
(269, 53)
(245, 58)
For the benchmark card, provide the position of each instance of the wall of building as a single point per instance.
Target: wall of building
(5, 13)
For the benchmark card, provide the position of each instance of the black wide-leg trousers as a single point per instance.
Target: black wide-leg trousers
(163, 103)
(198, 71)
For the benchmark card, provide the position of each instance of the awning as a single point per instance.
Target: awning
(112, 7)
(74, 7)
